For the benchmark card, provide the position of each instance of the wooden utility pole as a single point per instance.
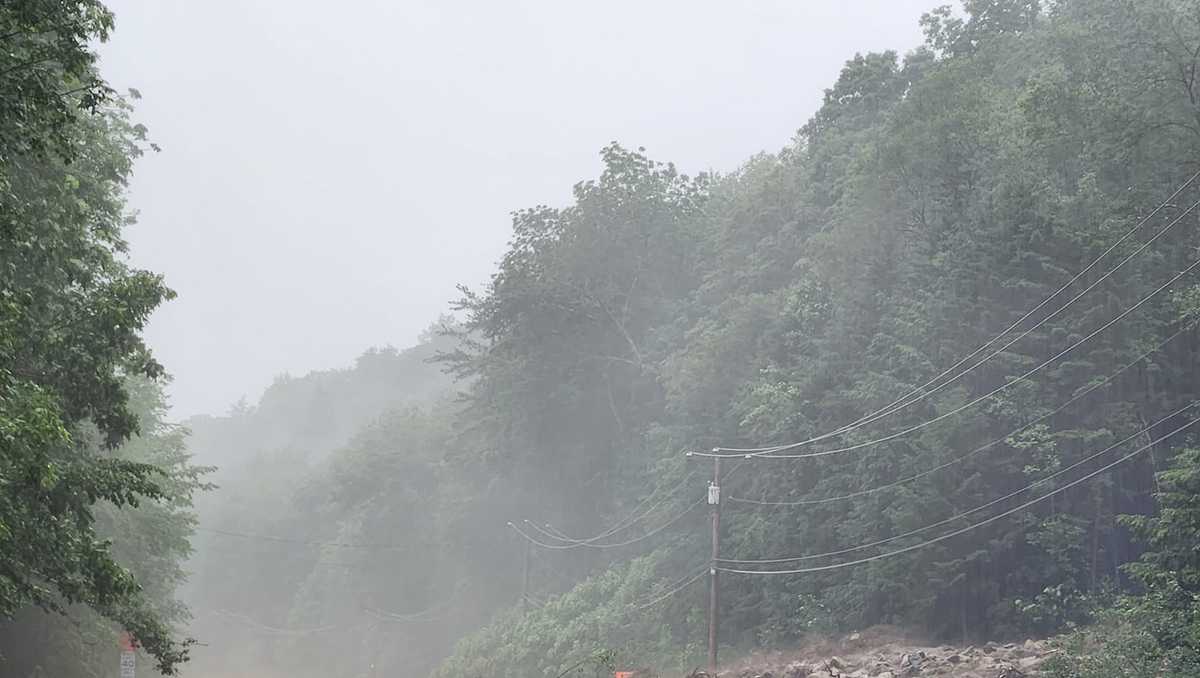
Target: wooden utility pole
(525, 578)
(714, 500)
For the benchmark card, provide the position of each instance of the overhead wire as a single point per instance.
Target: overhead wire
(977, 509)
(304, 542)
(553, 533)
(968, 528)
(566, 547)
(961, 458)
(1004, 387)
(277, 631)
(767, 451)
(430, 613)
(920, 393)
(672, 591)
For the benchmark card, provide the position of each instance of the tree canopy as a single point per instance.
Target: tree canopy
(71, 314)
(1029, 155)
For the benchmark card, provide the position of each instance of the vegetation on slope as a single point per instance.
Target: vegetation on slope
(71, 314)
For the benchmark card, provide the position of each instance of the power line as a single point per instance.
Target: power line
(1007, 385)
(565, 547)
(977, 509)
(432, 613)
(276, 631)
(420, 615)
(977, 450)
(968, 528)
(302, 542)
(903, 402)
(920, 392)
(553, 533)
(768, 452)
(671, 592)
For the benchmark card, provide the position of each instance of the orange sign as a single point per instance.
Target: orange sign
(623, 674)
(126, 642)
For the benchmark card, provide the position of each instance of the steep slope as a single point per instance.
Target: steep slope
(252, 554)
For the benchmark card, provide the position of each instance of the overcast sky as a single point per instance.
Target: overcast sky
(330, 171)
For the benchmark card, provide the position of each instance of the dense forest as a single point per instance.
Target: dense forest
(944, 339)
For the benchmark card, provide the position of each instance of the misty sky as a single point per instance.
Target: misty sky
(330, 171)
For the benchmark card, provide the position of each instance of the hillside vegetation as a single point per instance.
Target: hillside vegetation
(932, 201)
(944, 341)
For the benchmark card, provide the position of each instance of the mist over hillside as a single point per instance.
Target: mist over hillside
(920, 387)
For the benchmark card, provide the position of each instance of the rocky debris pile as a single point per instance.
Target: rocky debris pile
(854, 658)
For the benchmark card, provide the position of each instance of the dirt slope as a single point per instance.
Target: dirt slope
(886, 653)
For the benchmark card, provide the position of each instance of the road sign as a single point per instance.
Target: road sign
(128, 656)
(128, 664)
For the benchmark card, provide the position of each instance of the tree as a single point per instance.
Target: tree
(71, 313)
(152, 541)
(1169, 610)
(47, 76)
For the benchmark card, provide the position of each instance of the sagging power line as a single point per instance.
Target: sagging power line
(973, 526)
(1000, 389)
(637, 515)
(304, 542)
(982, 448)
(921, 393)
(977, 509)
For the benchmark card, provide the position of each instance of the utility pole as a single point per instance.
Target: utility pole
(525, 578)
(714, 500)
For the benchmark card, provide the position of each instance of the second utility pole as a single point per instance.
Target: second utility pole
(714, 500)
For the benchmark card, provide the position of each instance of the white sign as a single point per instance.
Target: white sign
(128, 664)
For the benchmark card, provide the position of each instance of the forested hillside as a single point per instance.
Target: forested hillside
(931, 202)
(988, 242)
(318, 459)
(940, 351)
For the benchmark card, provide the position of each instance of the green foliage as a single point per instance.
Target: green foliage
(351, 456)
(932, 200)
(1157, 631)
(151, 541)
(561, 636)
(71, 313)
(48, 77)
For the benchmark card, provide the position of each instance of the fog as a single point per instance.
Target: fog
(541, 339)
(329, 173)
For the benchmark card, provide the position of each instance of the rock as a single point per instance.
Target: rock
(1029, 662)
(856, 636)
(910, 664)
(837, 663)
(797, 670)
(954, 659)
